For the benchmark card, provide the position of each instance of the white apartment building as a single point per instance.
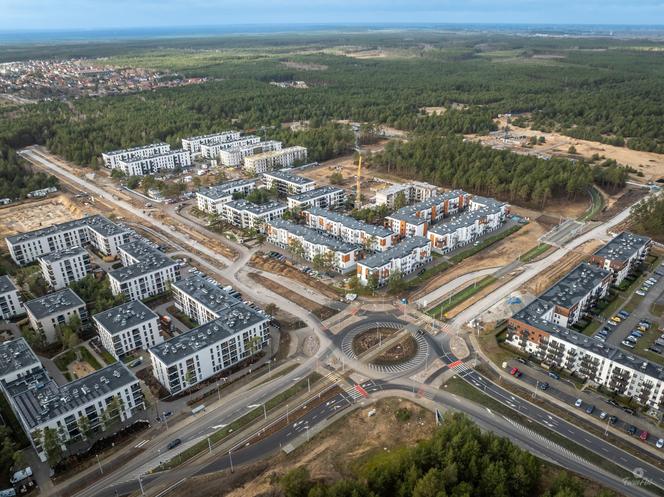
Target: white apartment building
(141, 166)
(104, 235)
(414, 220)
(462, 229)
(62, 267)
(193, 143)
(343, 255)
(349, 229)
(17, 360)
(50, 311)
(146, 272)
(10, 300)
(403, 258)
(41, 404)
(247, 215)
(201, 353)
(111, 159)
(211, 151)
(413, 192)
(234, 157)
(128, 327)
(266, 161)
(286, 183)
(200, 299)
(622, 254)
(325, 197)
(210, 199)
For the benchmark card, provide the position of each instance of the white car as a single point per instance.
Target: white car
(660, 443)
(640, 293)
(578, 403)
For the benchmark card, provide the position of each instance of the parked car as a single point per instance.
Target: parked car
(578, 403)
(554, 375)
(631, 429)
(644, 435)
(640, 293)
(590, 409)
(543, 386)
(629, 410)
(660, 443)
(628, 344)
(603, 415)
(613, 419)
(623, 314)
(173, 443)
(521, 360)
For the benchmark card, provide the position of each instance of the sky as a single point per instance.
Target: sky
(105, 14)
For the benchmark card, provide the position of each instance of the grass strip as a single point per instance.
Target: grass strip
(461, 296)
(534, 252)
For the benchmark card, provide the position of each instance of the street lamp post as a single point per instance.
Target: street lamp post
(101, 470)
(230, 458)
(209, 445)
(140, 484)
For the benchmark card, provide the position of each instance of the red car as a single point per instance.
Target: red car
(515, 372)
(644, 436)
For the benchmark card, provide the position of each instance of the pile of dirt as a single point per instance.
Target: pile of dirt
(628, 198)
(402, 351)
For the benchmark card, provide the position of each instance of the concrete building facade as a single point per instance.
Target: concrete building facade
(267, 161)
(350, 230)
(10, 300)
(50, 311)
(210, 199)
(62, 267)
(403, 258)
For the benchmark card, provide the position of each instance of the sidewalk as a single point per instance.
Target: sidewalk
(599, 425)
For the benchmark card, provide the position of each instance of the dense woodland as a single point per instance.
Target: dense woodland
(459, 460)
(648, 217)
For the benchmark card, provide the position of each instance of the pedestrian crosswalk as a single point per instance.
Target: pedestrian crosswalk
(459, 367)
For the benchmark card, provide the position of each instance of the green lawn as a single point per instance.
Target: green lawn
(595, 207)
(534, 252)
(461, 296)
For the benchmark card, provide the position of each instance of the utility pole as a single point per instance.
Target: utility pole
(230, 458)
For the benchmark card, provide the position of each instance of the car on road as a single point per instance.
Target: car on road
(543, 386)
(660, 443)
(644, 435)
(521, 360)
(631, 429)
(173, 443)
(554, 375)
(578, 403)
(629, 410)
(516, 373)
(590, 409)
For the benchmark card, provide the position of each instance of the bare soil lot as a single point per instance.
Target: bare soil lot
(32, 215)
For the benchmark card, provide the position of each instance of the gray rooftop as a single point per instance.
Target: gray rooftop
(15, 355)
(214, 298)
(40, 399)
(351, 222)
(230, 322)
(224, 189)
(63, 254)
(53, 303)
(257, 209)
(321, 191)
(466, 218)
(314, 236)
(212, 136)
(135, 149)
(149, 260)
(170, 153)
(623, 246)
(488, 201)
(98, 223)
(287, 175)
(6, 285)
(409, 212)
(575, 285)
(396, 252)
(125, 316)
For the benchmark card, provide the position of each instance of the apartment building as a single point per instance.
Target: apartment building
(40, 404)
(199, 354)
(62, 267)
(201, 300)
(622, 254)
(234, 157)
(533, 331)
(50, 311)
(212, 150)
(10, 300)
(141, 166)
(461, 229)
(111, 159)
(325, 197)
(247, 215)
(414, 220)
(412, 192)
(276, 159)
(477, 202)
(104, 235)
(17, 360)
(210, 199)
(403, 258)
(146, 272)
(193, 143)
(128, 327)
(286, 183)
(342, 255)
(349, 229)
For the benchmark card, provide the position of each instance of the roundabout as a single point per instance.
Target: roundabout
(386, 346)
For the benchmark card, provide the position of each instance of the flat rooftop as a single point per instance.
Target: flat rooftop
(136, 149)
(60, 255)
(211, 296)
(40, 399)
(623, 246)
(351, 223)
(98, 223)
(212, 136)
(149, 260)
(170, 153)
(15, 355)
(223, 189)
(230, 322)
(275, 153)
(253, 146)
(288, 176)
(488, 201)
(6, 284)
(314, 236)
(409, 213)
(257, 209)
(104, 226)
(398, 251)
(125, 316)
(568, 291)
(465, 218)
(53, 303)
(321, 191)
